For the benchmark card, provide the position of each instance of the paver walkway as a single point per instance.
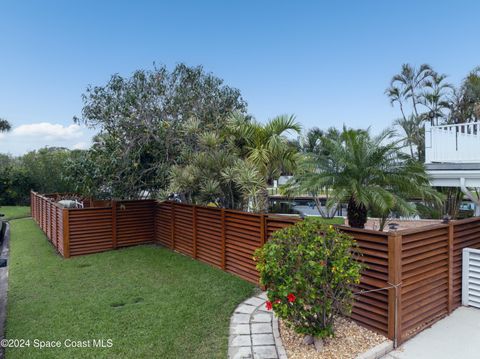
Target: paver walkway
(456, 336)
(254, 331)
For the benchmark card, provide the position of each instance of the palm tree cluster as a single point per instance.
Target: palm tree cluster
(233, 165)
(424, 95)
(371, 174)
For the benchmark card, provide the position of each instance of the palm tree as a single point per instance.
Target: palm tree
(311, 141)
(367, 173)
(465, 102)
(419, 87)
(414, 135)
(434, 97)
(266, 147)
(4, 125)
(407, 85)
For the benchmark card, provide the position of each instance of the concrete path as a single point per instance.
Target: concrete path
(456, 336)
(254, 332)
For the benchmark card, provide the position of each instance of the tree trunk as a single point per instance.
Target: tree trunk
(263, 200)
(356, 214)
(452, 202)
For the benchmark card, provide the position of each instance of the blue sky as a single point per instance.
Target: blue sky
(328, 62)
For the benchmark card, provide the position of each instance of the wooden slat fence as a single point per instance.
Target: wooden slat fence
(49, 216)
(371, 308)
(79, 231)
(412, 277)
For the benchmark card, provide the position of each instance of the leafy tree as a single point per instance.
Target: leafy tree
(368, 173)
(15, 185)
(4, 125)
(46, 168)
(465, 102)
(141, 120)
(85, 174)
(42, 170)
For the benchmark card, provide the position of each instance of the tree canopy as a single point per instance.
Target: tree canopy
(141, 120)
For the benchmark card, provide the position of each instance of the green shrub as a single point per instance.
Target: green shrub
(309, 270)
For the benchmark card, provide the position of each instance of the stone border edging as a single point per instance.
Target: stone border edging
(4, 287)
(254, 331)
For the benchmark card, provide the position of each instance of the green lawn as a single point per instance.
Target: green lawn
(334, 220)
(151, 302)
(13, 212)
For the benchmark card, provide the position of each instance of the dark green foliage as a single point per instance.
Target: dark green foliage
(4, 125)
(141, 121)
(15, 185)
(42, 170)
(314, 265)
(370, 173)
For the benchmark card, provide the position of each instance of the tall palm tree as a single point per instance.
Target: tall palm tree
(407, 85)
(412, 89)
(310, 142)
(266, 146)
(4, 125)
(414, 135)
(435, 96)
(369, 173)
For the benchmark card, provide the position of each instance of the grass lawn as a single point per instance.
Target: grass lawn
(151, 302)
(334, 220)
(12, 212)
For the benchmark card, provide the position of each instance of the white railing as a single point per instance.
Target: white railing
(458, 143)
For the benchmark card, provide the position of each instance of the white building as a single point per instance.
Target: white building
(452, 157)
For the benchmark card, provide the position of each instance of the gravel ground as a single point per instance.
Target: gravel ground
(350, 340)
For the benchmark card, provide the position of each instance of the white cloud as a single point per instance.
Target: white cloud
(80, 146)
(49, 131)
(34, 136)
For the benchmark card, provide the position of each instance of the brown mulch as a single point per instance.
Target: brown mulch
(350, 340)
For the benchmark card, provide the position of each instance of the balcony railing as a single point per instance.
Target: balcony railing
(458, 143)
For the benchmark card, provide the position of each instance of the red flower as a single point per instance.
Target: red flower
(268, 305)
(278, 301)
(291, 297)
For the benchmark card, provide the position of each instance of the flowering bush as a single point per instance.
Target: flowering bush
(309, 270)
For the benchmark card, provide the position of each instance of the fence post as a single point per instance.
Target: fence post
(451, 237)
(66, 233)
(114, 223)
(223, 250)
(172, 223)
(263, 218)
(194, 228)
(394, 293)
(51, 220)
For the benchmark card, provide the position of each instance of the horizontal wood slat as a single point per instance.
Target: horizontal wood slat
(405, 286)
